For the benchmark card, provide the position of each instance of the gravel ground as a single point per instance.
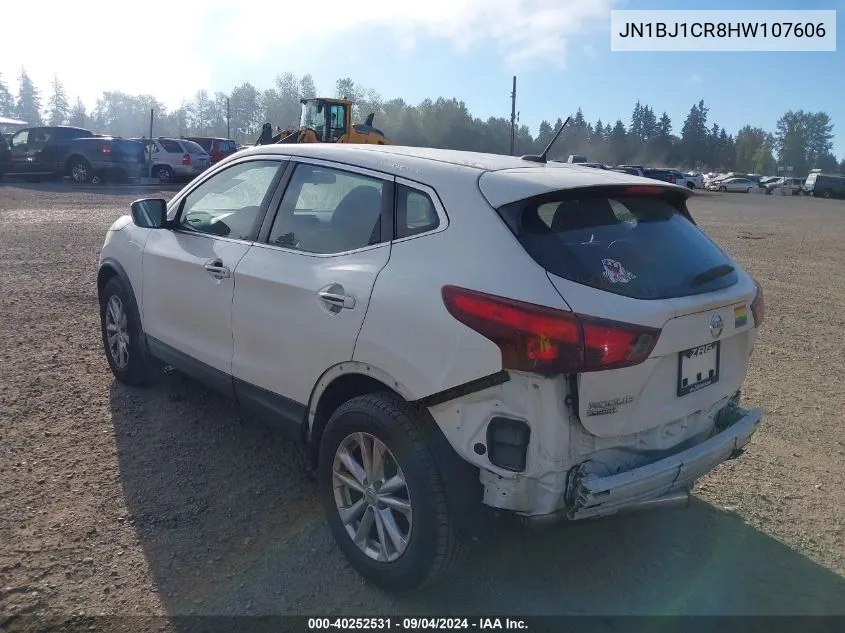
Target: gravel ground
(167, 500)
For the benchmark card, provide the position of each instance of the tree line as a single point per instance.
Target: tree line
(802, 140)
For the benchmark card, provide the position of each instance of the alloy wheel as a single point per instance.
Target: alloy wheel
(117, 333)
(372, 498)
(79, 172)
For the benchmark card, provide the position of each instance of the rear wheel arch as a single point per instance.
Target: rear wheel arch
(340, 384)
(71, 159)
(346, 381)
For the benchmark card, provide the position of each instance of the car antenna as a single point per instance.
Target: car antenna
(542, 157)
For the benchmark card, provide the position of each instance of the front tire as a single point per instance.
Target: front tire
(690, 185)
(384, 495)
(723, 189)
(120, 325)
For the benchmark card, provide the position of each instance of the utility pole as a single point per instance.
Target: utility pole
(228, 127)
(149, 147)
(513, 114)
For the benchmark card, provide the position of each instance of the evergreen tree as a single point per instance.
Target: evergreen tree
(664, 127)
(598, 131)
(78, 115)
(28, 106)
(58, 106)
(7, 102)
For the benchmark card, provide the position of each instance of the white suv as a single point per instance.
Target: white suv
(174, 158)
(443, 329)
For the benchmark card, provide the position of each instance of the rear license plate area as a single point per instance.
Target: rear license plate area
(698, 367)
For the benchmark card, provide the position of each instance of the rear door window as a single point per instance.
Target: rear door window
(643, 247)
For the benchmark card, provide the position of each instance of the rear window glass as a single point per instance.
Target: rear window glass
(635, 246)
(192, 147)
(205, 143)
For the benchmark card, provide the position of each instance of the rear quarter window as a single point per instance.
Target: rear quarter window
(415, 212)
(643, 247)
(170, 146)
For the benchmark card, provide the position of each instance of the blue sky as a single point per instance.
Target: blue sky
(469, 49)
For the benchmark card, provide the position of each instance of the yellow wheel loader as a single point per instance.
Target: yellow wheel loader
(326, 121)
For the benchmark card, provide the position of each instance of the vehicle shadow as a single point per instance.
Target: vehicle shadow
(231, 525)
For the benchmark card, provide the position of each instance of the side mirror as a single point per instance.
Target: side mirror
(150, 213)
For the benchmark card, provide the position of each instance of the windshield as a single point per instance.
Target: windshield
(313, 115)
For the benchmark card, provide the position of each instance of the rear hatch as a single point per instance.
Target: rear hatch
(666, 315)
(199, 158)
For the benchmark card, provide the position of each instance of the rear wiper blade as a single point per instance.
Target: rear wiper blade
(712, 274)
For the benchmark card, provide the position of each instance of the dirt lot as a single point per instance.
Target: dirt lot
(168, 500)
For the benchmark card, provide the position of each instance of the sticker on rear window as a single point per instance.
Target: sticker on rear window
(615, 272)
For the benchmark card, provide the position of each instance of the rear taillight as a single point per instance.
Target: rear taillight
(186, 159)
(546, 340)
(106, 149)
(758, 306)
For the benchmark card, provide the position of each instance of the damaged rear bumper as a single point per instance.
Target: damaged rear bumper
(662, 483)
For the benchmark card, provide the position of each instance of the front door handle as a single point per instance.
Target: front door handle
(334, 296)
(217, 270)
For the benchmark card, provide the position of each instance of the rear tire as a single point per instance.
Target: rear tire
(690, 185)
(120, 325)
(432, 544)
(164, 174)
(80, 170)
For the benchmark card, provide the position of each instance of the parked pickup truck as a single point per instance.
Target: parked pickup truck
(38, 152)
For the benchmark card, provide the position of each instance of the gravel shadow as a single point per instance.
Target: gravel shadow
(230, 524)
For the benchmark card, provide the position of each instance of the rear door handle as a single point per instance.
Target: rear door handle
(333, 295)
(217, 270)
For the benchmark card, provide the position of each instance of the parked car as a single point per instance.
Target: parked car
(631, 171)
(638, 170)
(794, 185)
(174, 158)
(824, 185)
(666, 175)
(50, 151)
(692, 181)
(5, 156)
(217, 148)
(733, 184)
(282, 277)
